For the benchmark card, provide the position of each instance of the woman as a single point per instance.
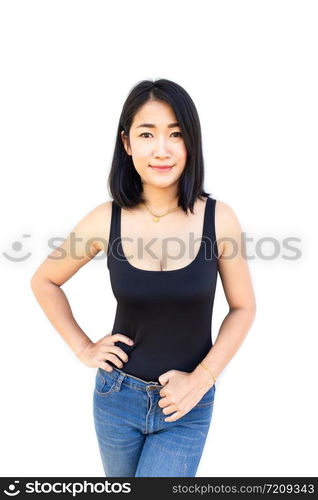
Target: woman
(155, 382)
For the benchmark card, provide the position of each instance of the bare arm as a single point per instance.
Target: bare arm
(237, 285)
(56, 306)
(59, 267)
(92, 234)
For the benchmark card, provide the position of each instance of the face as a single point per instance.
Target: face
(155, 139)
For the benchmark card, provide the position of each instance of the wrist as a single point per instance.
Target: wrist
(203, 377)
(80, 349)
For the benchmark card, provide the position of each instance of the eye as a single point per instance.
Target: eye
(148, 133)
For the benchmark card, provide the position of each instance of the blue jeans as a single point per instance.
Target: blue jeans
(133, 438)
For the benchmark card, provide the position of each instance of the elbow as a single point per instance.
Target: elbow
(254, 307)
(36, 281)
(250, 306)
(33, 283)
(34, 278)
(251, 309)
(253, 312)
(248, 309)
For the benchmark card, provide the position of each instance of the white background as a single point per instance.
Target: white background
(251, 69)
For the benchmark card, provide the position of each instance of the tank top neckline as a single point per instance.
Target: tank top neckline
(181, 269)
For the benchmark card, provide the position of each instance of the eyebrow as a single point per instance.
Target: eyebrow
(151, 125)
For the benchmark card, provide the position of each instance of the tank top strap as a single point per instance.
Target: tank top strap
(209, 233)
(114, 232)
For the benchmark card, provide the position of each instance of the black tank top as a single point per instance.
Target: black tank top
(168, 314)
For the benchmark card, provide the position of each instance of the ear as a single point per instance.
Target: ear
(125, 142)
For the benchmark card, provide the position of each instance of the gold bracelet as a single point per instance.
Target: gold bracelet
(214, 379)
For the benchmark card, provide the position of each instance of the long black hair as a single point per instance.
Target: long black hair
(124, 182)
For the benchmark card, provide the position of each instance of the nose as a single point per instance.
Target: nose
(161, 149)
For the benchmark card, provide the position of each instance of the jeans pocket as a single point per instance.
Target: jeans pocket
(104, 385)
(208, 398)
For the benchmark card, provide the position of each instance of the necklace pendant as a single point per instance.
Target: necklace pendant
(156, 219)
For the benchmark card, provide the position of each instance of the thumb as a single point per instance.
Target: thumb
(164, 377)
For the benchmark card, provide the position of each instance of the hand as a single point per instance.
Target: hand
(94, 354)
(181, 392)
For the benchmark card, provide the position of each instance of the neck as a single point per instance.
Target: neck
(160, 199)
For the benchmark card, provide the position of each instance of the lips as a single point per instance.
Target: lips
(161, 168)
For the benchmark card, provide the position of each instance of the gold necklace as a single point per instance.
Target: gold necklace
(156, 217)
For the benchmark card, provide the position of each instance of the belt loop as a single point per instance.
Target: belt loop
(118, 382)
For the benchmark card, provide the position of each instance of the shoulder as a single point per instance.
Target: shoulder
(98, 213)
(227, 225)
(96, 225)
(225, 214)
(102, 210)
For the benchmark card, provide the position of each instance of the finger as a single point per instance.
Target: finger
(163, 393)
(170, 409)
(105, 366)
(116, 350)
(174, 417)
(118, 337)
(119, 352)
(164, 402)
(113, 358)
